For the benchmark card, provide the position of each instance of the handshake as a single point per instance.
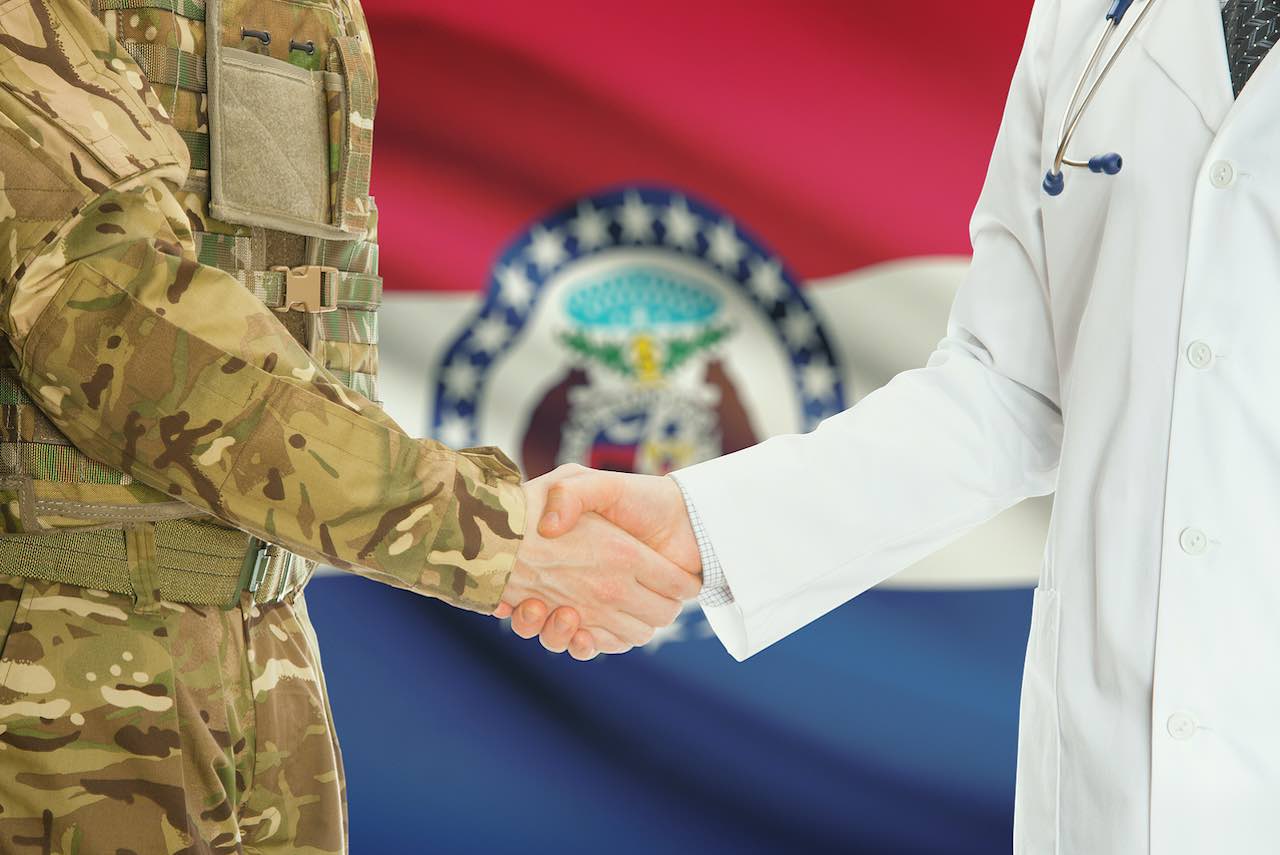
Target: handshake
(607, 559)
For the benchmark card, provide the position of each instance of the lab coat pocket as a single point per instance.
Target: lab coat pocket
(1035, 812)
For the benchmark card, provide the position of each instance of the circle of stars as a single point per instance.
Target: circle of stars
(630, 217)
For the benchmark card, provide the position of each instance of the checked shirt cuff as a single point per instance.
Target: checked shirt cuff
(715, 587)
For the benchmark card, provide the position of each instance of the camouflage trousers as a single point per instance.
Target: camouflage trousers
(183, 729)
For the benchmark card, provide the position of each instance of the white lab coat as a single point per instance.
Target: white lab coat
(1119, 343)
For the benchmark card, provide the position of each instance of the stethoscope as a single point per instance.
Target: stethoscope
(1109, 163)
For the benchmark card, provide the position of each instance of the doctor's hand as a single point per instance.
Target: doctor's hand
(616, 589)
(650, 508)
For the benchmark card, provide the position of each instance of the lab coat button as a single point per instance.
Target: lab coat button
(1181, 726)
(1222, 173)
(1199, 354)
(1192, 541)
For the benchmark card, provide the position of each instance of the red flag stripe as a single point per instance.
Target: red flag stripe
(842, 133)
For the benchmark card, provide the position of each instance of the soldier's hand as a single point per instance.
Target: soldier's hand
(650, 508)
(610, 590)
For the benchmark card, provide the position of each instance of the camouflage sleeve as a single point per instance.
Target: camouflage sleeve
(177, 374)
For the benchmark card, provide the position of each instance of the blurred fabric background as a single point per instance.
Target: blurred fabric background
(636, 236)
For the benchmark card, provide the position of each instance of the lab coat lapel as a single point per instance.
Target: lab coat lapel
(1184, 37)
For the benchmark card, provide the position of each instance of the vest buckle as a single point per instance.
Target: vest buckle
(304, 288)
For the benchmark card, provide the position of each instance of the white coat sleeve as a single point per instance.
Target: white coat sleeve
(804, 523)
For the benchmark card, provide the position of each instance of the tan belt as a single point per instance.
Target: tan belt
(181, 561)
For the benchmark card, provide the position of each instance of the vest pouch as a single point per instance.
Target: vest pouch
(272, 156)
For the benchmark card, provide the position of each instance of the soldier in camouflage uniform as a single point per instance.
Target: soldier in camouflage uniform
(188, 351)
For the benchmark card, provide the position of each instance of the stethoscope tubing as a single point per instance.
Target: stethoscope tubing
(1064, 135)
(1072, 114)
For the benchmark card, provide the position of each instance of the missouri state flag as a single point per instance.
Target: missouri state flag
(637, 236)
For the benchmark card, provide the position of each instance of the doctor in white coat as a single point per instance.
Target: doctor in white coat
(1118, 343)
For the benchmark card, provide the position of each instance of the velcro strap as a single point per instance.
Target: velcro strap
(233, 253)
(192, 9)
(357, 358)
(169, 66)
(20, 419)
(351, 122)
(198, 146)
(26, 423)
(350, 326)
(55, 461)
(358, 382)
(229, 253)
(360, 256)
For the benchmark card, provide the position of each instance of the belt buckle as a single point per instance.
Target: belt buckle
(261, 563)
(252, 570)
(270, 555)
(284, 577)
(304, 288)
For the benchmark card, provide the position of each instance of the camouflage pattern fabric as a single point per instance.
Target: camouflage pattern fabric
(170, 371)
(146, 380)
(185, 730)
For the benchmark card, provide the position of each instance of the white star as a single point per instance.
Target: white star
(797, 327)
(818, 380)
(455, 432)
(725, 249)
(766, 280)
(637, 219)
(546, 248)
(590, 227)
(460, 379)
(681, 224)
(490, 334)
(517, 290)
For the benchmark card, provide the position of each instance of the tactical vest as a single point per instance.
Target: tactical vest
(275, 101)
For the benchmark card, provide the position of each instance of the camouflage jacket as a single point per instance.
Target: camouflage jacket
(171, 371)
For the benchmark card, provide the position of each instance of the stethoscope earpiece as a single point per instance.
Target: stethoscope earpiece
(1053, 183)
(1109, 163)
